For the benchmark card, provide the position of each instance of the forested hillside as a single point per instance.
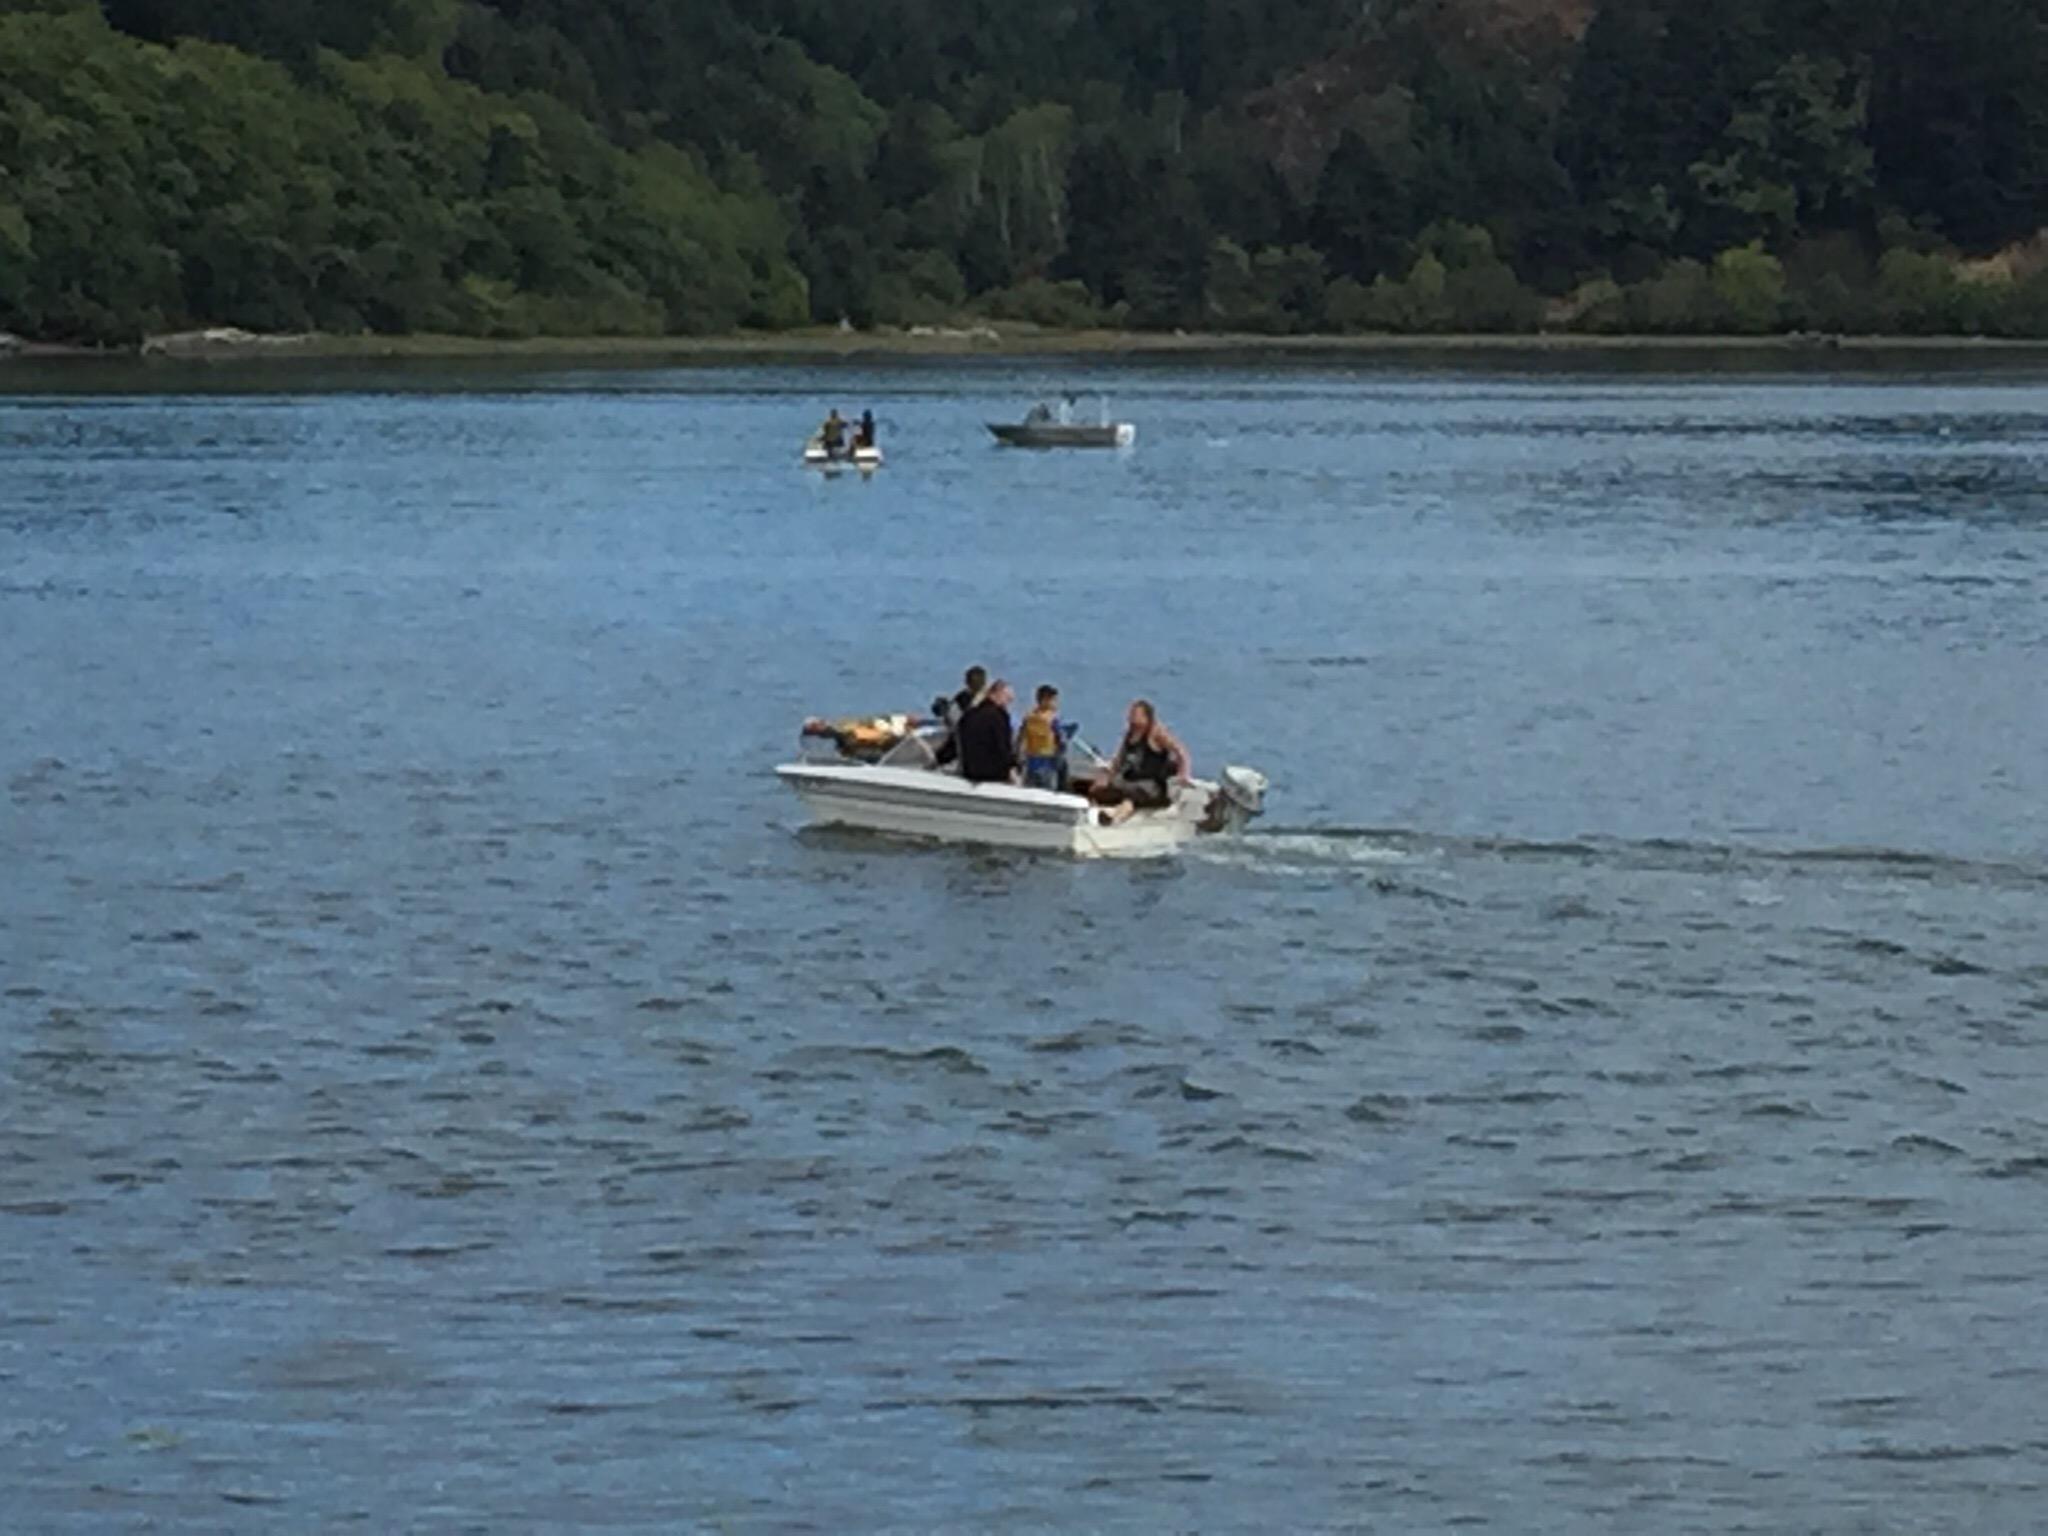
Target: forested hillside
(511, 167)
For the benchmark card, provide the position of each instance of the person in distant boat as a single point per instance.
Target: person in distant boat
(953, 711)
(833, 433)
(988, 741)
(1142, 773)
(1042, 743)
(864, 434)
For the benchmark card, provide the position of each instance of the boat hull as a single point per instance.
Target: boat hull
(1119, 434)
(857, 458)
(939, 807)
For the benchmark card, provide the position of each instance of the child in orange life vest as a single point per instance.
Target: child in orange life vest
(1042, 743)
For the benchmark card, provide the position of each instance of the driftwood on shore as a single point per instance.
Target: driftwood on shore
(216, 341)
(986, 333)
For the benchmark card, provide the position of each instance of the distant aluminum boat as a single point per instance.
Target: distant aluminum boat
(906, 796)
(1047, 427)
(1053, 434)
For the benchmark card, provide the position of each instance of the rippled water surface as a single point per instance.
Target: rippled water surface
(441, 1088)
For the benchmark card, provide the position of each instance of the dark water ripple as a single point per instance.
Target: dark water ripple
(443, 1091)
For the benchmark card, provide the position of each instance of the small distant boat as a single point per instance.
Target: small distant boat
(861, 456)
(1046, 427)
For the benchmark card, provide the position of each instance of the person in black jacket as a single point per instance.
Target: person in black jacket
(988, 740)
(953, 712)
(971, 695)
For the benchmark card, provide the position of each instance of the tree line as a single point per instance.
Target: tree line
(515, 167)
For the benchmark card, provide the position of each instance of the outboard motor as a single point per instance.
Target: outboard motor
(1240, 795)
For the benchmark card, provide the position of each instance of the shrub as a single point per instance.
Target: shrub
(927, 289)
(1230, 294)
(1831, 305)
(1920, 293)
(1057, 306)
(1291, 287)
(1414, 303)
(1348, 305)
(1749, 290)
(1599, 306)
(2023, 308)
(1489, 297)
(1678, 300)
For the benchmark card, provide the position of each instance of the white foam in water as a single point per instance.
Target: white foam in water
(1302, 851)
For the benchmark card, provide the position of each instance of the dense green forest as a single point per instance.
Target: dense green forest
(518, 167)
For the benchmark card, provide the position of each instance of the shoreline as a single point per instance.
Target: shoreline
(988, 342)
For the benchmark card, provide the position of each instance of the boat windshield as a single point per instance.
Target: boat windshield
(920, 749)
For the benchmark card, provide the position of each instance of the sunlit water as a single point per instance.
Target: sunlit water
(441, 1088)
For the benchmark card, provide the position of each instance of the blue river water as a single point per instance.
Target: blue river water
(442, 1088)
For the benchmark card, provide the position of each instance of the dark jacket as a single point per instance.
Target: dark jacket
(952, 714)
(988, 743)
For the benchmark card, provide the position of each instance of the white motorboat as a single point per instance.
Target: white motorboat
(906, 794)
(862, 456)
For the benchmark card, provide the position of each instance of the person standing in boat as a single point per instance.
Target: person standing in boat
(987, 739)
(953, 712)
(1142, 774)
(1042, 743)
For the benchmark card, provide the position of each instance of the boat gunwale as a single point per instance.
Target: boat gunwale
(997, 801)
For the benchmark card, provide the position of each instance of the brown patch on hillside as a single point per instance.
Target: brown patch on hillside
(1301, 117)
(2014, 264)
(1509, 21)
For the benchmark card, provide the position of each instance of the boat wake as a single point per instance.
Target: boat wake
(1308, 850)
(1313, 850)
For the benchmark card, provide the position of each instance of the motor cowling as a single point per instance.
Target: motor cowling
(1240, 795)
(1244, 788)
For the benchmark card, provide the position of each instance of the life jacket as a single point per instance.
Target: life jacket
(1041, 735)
